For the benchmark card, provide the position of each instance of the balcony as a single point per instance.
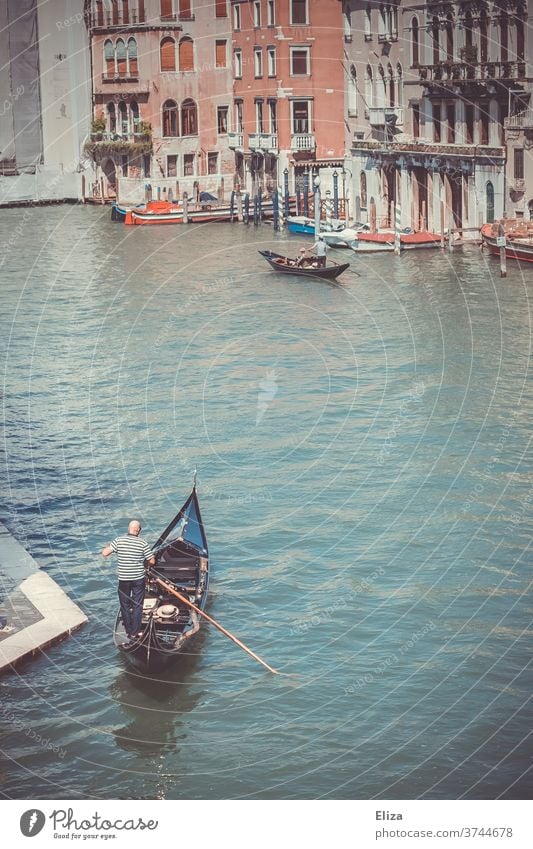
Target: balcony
(427, 153)
(124, 85)
(523, 121)
(303, 142)
(236, 141)
(379, 116)
(109, 20)
(267, 142)
(454, 73)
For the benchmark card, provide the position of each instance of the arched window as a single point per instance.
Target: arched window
(109, 58)
(520, 40)
(390, 82)
(133, 68)
(483, 43)
(435, 34)
(468, 29)
(111, 118)
(382, 87)
(189, 118)
(186, 54)
(504, 37)
(449, 37)
(121, 58)
(490, 203)
(170, 118)
(362, 189)
(415, 42)
(352, 91)
(168, 54)
(399, 77)
(134, 112)
(369, 87)
(123, 118)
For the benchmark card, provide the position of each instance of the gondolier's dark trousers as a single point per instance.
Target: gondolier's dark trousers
(131, 597)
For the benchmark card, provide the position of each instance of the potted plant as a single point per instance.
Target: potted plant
(468, 54)
(143, 130)
(98, 126)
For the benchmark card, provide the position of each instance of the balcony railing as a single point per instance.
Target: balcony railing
(236, 141)
(263, 141)
(303, 141)
(132, 84)
(523, 121)
(378, 116)
(453, 72)
(429, 148)
(117, 19)
(120, 137)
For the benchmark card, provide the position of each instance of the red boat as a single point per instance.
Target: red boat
(518, 236)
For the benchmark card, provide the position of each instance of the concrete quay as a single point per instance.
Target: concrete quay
(35, 612)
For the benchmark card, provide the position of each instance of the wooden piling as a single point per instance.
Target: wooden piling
(503, 255)
(442, 224)
(185, 208)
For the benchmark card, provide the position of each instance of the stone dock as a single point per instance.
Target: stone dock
(34, 611)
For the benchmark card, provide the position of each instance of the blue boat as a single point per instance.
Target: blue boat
(306, 226)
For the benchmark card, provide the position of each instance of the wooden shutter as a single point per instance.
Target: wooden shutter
(186, 55)
(132, 56)
(121, 59)
(125, 12)
(185, 9)
(166, 8)
(168, 55)
(220, 8)
(220, 54)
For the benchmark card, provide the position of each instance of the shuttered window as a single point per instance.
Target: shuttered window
(185, 9)
(109, 56)
(114, 6)
(166, 8)
(170, 118)
(125, 12)
(189, 121)
(186, 55)
(121, 58)
(132, 57)
(220, 8)
(220, 54)
(168, 55)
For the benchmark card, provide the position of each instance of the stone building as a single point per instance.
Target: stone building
(428, 92)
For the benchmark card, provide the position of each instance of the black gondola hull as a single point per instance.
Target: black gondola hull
(286, 265)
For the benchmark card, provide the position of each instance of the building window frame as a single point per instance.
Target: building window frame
(271, 13)
(237, 62)
(301, 124)
(257, 14)
(258, 62)
(271, 61)
(302, 50)
(295, 9)
(222, 120)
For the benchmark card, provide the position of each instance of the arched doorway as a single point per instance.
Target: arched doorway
(108, 167)
(489, 203)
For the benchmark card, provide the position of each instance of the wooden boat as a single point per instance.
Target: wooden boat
(518, 238)
(182, 561)
(304, 226)
(384, 241)
(306, 267)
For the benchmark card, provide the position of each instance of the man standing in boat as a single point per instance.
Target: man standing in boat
(321, 250)
(132, 552)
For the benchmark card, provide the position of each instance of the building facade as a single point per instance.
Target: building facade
(162, 93)
(433, 82)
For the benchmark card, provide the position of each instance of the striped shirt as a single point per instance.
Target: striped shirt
(131, 551)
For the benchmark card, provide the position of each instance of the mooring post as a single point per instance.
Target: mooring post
(442, 224)
(502, 241)
(450, 234)
(185, 208)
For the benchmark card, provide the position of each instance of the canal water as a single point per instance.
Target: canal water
(364, 475)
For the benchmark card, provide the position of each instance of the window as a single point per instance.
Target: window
(99, 13)
(469, 124)
(238, 116)
(111, 118)
(273, 115)
(298, 11)
(271, 13)
(271, 59)
(114, 11)
(259, 116)
(222, 120)
(124, 126)
(122, 64)
(109, 58)
(300, 61)
(134, 110)
(520, 41)
(399, 81)
(188, 165)
(133, 69)
(369, 87)
(483, 44)
(368, 24)
(436, 122)
(362, 189)
(390, 82)
(172, 166)
(146, 164)
(185, 12)
(352, 92)
(170, 118)
(237, 17)
(415, 42)
(449, 36)
(186, 54)
(489, 217)
(301, 116)
(142, 17)
(220, 9)
(238, 63)
(504, 37)
(484, 125)
(189, 118)
(435, 35)
(450, 121)
(258, 62)
(212, 163)
(167, 12)
(220, 53)
(124, 163)
(257, 13)
(168, 54)
(415, 111)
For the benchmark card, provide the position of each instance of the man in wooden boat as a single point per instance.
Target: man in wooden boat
(132, 552)
(321, 250)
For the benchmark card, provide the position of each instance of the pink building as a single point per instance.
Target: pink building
(288, 104)
(167, 64)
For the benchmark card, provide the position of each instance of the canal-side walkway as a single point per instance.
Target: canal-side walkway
(34, 611)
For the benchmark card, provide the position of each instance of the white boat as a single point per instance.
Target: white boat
(344, 238)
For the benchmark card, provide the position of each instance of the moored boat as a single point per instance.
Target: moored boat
(384, 241)
(518, 236)
(304, 267)
(304, 226)
(182, 564)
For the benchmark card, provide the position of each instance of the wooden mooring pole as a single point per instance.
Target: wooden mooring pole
(442, 224)
(503, 255)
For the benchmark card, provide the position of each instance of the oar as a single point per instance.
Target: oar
(186, 601)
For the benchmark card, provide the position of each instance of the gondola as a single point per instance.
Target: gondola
(304, 267)
(182, 564)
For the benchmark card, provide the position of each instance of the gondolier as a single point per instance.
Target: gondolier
(132, 552)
